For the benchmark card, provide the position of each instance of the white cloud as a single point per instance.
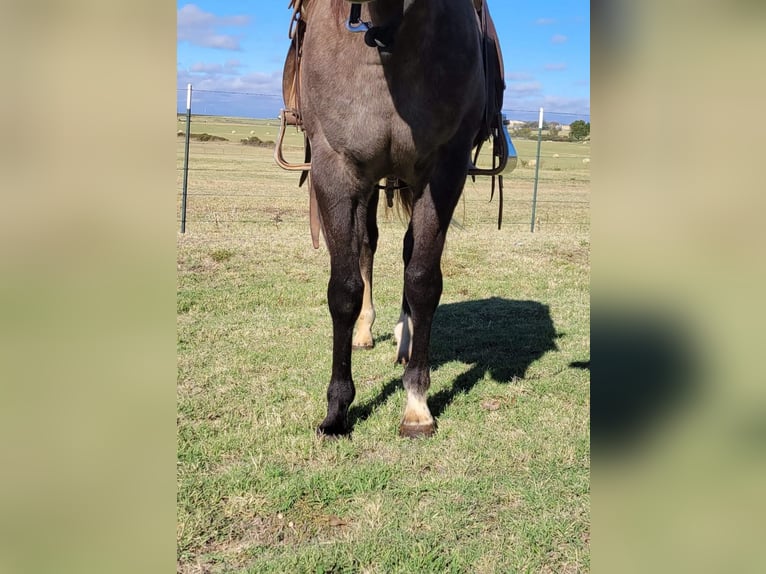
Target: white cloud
(517, 76)
(545, 21)
(259, 82)
(230, 67)
(553, 104)
(219, 41)
(566, 105)
(558, 39)
(557, 67)
(203, 68)
(200, 28)
(255, 95)
(517, 89)
(220, 78)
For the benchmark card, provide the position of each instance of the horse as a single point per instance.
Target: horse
(406, 101)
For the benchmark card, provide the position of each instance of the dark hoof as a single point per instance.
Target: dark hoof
(332, 431)
(416, 431)
(330, 437)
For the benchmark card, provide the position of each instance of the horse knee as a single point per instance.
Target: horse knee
(344, 296)
(422, 283)
(418, 273)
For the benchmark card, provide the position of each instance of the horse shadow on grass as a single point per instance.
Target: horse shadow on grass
(497, 337)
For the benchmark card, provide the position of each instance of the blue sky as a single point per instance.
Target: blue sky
(238, 48)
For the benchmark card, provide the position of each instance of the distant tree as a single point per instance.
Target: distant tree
(578, 130)
(523, 132)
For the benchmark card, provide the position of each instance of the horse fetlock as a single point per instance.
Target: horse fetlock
(363, 334)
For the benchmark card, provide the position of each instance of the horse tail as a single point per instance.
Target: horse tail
(398, 199)
(399, 202)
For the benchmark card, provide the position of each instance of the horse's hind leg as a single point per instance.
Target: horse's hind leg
(403, 329)
(363, 333)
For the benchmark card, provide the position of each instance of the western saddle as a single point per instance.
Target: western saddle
(493, 125)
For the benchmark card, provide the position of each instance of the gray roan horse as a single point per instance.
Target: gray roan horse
(406, 100)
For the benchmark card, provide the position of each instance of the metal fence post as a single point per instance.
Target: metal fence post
(186, 157)
(537, 168)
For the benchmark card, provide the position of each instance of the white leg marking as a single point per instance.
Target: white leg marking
(403, 334)
(363, 335)
(416, 412)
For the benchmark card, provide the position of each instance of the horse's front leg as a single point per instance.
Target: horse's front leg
(424, 244)
(341, 206)
(422, 290)
(363, 333)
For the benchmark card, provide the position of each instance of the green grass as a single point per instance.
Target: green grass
(503, 486)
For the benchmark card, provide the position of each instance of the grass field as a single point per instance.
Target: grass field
(503, 486)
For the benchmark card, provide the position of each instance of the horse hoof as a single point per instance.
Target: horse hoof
(363, 347)
(332, 431)
(416, 430)
(322, 436)
(331, 436)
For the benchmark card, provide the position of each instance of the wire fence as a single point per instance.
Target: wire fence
(267, 105)
(225, 183)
